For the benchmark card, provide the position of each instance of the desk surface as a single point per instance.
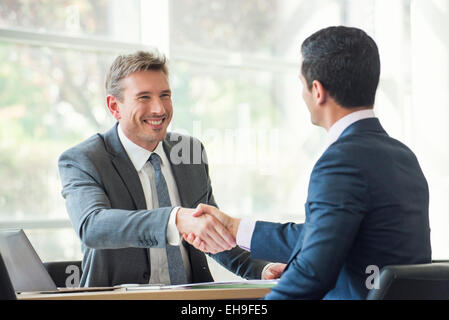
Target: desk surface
(165, 294)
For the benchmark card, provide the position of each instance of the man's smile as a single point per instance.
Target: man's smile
(155, 123)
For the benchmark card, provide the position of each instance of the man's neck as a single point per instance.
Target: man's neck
(337, 112)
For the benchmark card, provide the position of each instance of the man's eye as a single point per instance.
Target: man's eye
(144, 97)
(165, 95)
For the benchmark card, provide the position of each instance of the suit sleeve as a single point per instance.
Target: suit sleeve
(275, 241)
(241, 263)
(98, 225)
(336, 205)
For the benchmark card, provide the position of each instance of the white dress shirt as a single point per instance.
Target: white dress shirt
(139, 158)
(246, 227)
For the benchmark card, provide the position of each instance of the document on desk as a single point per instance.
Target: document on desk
(234, 284)
(136, 287)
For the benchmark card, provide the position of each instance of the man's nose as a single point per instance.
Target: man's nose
(157, 107)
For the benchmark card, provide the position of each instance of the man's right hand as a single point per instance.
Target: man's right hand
(230, 223)
(215, 235)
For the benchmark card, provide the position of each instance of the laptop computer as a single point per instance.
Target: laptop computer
(25, 268)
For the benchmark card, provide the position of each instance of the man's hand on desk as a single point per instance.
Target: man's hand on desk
(273, 271)
(216, 236)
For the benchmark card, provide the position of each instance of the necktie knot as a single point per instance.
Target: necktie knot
(155, 161)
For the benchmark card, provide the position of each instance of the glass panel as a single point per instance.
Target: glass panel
(106, 18)
(257, 134)
(50, 100)
(256, 27)
(256, 129)
(429, 109)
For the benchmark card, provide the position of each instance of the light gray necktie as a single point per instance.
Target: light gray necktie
(176, 267)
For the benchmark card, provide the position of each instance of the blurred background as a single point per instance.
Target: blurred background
(234, 69)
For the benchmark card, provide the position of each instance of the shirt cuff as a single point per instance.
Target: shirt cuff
(245, 233)
(173, 237)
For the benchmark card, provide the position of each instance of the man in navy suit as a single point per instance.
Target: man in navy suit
(367, 204)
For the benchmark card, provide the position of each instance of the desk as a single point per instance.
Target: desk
(165, 294)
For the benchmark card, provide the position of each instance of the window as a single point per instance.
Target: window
(234, 74)
(54, 56)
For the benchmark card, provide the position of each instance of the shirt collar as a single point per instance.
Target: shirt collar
(338, 127)
(138, 155)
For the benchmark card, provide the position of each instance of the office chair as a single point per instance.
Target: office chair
(6, 289)
(58, 271)
(413, 282)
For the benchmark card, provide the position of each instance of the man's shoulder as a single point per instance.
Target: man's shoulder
(366, 150)
(352, 151)
(344, 148)
(361, 143)
(93, 146)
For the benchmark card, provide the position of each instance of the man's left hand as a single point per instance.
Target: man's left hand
(273, 271)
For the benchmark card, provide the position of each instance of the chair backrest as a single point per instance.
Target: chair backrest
(6, 288)
(63, 271)
(413, 282)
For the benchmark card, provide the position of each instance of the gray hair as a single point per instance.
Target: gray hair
(124, 65)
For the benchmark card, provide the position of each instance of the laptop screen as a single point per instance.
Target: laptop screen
(25, 268)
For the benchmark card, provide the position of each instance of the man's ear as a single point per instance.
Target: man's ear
(113, 106)
(319, 93)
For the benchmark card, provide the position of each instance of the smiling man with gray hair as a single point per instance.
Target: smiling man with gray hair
(129, 198)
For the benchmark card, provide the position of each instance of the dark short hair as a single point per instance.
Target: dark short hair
(346, 62)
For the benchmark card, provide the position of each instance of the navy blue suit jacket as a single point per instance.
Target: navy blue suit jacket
(367, 205)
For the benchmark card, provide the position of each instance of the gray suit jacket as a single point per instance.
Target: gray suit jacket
(107, 208)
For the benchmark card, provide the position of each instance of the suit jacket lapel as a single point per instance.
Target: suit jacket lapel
(125, 168)
(189, 196)
(182, 174)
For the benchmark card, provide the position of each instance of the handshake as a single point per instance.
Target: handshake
(207, 228)
(210, 230)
